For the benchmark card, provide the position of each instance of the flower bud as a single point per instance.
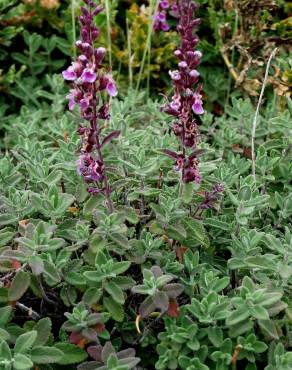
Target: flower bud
(183, 64)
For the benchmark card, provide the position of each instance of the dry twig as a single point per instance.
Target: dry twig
(254, 124)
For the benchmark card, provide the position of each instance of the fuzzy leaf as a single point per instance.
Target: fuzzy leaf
(114, 308)
(71, 354)
(36, 264)
(46, 355)
(19, 286)
(43, 328)
(25, 341)
(114, 291)
(22, 362)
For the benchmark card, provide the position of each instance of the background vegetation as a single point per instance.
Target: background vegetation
(163, 278)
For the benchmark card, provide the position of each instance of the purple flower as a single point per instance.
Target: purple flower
(164, 27)
(160, 17)
(99, 54)
(160, 22)
(198, 106)
(175, 75)
(94, 191)
(211, 197)
(194, 74)
(88, 75)
(164, 4)
(111, 87)
(69, 74)
(91, 169)
(183, 64)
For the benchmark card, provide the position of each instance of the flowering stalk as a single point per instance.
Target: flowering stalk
(91, 88)
(186, 104)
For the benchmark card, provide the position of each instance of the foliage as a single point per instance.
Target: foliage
(198, 280)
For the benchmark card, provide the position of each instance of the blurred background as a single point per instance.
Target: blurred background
(237, 37)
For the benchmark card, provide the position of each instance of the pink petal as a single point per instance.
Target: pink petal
(88, 76)
(69, 74)
(71, 103)
(111, 88)
(198, 107)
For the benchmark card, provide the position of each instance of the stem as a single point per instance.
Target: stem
(73, 27)
(106, 183)
(97, 143)
(43, 292)
(33, 314)
(129, 34)
(254, 124)
(93, 124)
(153, 10)
(232, 53)
(108, 26)
(148, 70)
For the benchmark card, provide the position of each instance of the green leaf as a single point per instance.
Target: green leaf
(5, 313)
(36, 264)
(220, 284)
(5, 236)
(163, 280)
(71, 354)
(177, 232)
(213, 222)
(120, 240)
(43, 328)
(22, 362)
(5, 351)
(237, 316)
(115, 291)
(25, 341)
(91, 204)
(114, 308)
(120, 267)
(270, 299)
(269, 328)
(4, 335)
(259, 312)
(124, 282)
(7, 219)
(259, 347)
(196, 232)
(91, 295)
(46, 355)
(51, 273)
(261, 262)
(19, 286)
(215, 336)
(187, 192)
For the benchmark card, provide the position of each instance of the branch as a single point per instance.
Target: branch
(33, 314)
(229, 65)
(254, 124)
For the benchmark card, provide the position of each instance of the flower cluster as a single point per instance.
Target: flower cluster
(165, 7)
(160, 22)
(89, 82)
(212, 196)
(186, 104)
